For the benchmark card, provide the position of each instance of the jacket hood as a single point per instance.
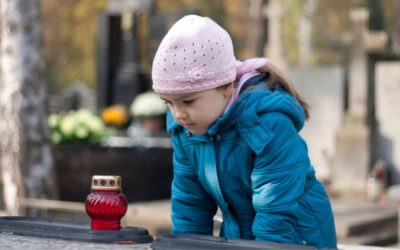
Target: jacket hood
(260, 100)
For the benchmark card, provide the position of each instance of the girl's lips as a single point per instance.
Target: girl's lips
(187, 124)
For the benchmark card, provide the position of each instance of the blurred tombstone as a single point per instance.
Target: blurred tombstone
(353, 148)
(305, 30)
(350, 166)
(256, 29)
(274, 12)
(120, 77)
(396, 38)
(323, 88)
(76, 96)
(130, 79)
(160, 22)
(387, 94)
(108, 56)
(131, 5)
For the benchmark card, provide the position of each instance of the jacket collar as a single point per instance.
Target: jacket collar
(171, 123)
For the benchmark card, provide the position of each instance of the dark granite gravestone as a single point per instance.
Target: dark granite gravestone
(69, 230)
(120, 77)
(146, 171)
(159, 24)
(108, 56)
(195, 241)
(130, 79)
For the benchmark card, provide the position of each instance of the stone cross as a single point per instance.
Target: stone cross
(273, 50)
(120, 6)
(351, 163)
(362, 42)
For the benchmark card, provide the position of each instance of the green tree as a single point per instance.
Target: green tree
(70, 28)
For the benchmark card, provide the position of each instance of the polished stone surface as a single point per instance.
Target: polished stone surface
(9, 241)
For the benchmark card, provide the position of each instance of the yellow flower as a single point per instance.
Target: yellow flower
(115, 115)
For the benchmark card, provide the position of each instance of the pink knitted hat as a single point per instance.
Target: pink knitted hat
(195, 55)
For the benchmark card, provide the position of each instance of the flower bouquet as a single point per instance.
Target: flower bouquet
(77, 126)
(149, 111)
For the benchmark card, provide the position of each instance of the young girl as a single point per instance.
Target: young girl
(234, 128)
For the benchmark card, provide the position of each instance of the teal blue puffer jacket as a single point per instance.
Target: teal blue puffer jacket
(253, 164)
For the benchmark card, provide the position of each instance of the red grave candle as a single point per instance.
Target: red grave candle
(106, 205)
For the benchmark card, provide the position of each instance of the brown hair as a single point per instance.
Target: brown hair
(276, 77)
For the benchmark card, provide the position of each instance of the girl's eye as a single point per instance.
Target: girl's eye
(187, 102)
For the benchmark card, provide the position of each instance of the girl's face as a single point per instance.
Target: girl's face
(199, 110)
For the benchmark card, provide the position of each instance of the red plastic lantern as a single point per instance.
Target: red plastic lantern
(106, 205)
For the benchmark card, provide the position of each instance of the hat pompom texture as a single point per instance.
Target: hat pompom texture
(195, 55)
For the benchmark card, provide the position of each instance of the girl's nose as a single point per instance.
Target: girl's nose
(179, 114)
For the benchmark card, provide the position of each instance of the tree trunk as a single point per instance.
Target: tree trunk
(25, 155)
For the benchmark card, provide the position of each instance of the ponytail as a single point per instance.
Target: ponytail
(276, 77)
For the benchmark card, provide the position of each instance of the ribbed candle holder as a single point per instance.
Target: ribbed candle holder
(106, 205)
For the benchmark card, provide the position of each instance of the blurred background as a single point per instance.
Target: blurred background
(76, 101)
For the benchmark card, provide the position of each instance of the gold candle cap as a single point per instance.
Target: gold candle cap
(106, 182)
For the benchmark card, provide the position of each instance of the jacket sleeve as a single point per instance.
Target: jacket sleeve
(192, 207)
(278, 180)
